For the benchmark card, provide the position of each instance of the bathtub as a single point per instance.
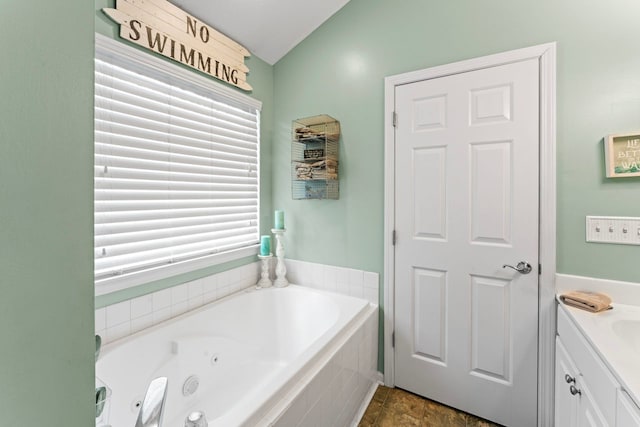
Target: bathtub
(276, 356)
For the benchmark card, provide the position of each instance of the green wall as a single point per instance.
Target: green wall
(46, 197)
(260, 77)
(340, 70)
(46, 146)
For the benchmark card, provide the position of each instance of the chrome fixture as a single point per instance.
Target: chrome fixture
(98, 346)
(522, 267)
(150, 414)
(196, 419)
(101, 399)
(101, 392)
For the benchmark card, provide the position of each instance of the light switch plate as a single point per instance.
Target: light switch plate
(613, 229)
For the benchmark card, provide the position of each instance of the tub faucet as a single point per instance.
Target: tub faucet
(196, 419)
(150, 414)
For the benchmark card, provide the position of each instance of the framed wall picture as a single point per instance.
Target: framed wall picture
(622, 155)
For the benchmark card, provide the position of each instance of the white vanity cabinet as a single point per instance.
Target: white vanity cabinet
(575, 406)
(586, 392)
(566, 403)
(627, 413)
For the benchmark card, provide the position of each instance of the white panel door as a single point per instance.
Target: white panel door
(466, 204)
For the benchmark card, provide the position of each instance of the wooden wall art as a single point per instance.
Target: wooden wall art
(163, 28)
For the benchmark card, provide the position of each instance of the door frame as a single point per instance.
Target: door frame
(546, 55)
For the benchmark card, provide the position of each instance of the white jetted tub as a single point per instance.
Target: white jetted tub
(259, 357)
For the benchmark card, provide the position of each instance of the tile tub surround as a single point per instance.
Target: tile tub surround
(346, 281)
(131, 316)
(335, 391)
(128, 317)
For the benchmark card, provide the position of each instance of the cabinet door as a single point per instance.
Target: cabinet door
(627, 413)
(566, 405)
(588, 413)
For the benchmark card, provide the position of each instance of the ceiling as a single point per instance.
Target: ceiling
(268, 28)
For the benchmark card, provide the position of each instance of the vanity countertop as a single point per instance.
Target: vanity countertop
(615, 336)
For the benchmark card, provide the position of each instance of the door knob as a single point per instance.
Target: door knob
(522, 267)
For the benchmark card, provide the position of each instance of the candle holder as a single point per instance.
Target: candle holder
(265, 281)
(281, 270)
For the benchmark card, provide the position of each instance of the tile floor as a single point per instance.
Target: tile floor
(393, 407)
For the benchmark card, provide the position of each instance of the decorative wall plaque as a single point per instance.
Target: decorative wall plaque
(622, 155)
(163, 28)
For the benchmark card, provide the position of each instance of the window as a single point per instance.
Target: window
(176, 169)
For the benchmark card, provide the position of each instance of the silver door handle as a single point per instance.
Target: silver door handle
(522, 267)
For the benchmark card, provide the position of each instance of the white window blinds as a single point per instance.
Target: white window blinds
(176, 170)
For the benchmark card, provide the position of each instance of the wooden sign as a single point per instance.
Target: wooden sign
(163, 28)
(622, 155)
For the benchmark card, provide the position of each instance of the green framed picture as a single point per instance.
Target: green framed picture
(622, 155)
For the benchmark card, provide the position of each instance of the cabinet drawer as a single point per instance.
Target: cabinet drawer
(594, 374)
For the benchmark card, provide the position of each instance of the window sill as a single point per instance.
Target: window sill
(117, 283)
